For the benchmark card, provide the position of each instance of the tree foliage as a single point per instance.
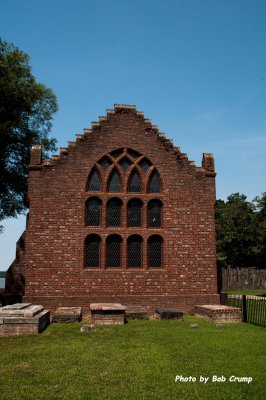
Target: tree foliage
(260, 225)
(241, 231)
(26, 110)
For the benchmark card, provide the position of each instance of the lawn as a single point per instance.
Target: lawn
(255, 292)
(255, 307)
(138, 360)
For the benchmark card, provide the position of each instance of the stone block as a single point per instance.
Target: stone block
(219, 313)
(136, 312)
(19, 319)
(87, 328)
(107, 313)
(169, 313)
(67, 314)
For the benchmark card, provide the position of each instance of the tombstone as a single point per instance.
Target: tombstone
(67, 314)
(169, 313)
(219, 313)
(23, 318)
(107, 313)
(87, 328)
(136, 312)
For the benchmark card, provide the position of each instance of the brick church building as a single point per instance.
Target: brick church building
(121, 215)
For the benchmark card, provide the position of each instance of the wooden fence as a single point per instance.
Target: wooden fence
(243, 278)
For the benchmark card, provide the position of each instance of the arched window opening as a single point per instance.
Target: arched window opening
(114, 184)
(134, 208)
(133, 153)
(114, 212)
(155, 244)
(93, 212)
(113, 251)
(92, 251)
(145, 164)
(134, 251)
(94, 182)
(125, 163)
(105, 163)
(116, 153)
(134, 183)
(154, 183)
(154, 213)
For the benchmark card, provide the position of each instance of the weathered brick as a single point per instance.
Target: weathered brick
(49, 268)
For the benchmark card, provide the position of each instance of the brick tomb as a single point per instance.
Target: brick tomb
(67, 314)
(219, 313)
(107, 313)
(21, 318)
(168, 313)
(136, 312)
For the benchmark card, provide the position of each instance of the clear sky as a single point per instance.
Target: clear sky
(197, 68)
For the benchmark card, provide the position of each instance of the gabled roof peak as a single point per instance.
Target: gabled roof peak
(125, 106)
(207, 167)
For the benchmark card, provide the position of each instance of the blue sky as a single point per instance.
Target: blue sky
(197, 68)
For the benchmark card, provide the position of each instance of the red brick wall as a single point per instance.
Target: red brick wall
(55, 274)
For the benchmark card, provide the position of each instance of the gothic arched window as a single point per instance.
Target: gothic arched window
(119, 206)
(125, 163)
(134, 208)
(134, 251)
(93, 211)
(117, 153)
(154, 183)
(105, 163)
(133, 153)
(92, 251)
(114, 184)
(134, 183)
(155, 245)
(94, 181)
(154, 213)
(113, 251)
(145, 164)
(113, 212)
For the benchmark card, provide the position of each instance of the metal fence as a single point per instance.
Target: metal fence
(253, 307)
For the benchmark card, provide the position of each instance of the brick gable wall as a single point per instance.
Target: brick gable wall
(54, 261)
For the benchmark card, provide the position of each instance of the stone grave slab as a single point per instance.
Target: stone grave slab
(23, 318)
(219, 313)
(107, 313)
(67, 314)
(136, 312)
(169, 313)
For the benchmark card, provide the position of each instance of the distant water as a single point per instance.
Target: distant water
(2, 283)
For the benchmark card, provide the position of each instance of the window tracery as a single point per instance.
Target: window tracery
(134, 211)
(155, 243)
(124, 171)
(92, 251)
(113, 212)
(134, 251)
(154, 213)
(113, 251)
(93, 211)
(94, 181)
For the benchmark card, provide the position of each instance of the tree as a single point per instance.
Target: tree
(260, 226)
(26, 110)
(235, 232)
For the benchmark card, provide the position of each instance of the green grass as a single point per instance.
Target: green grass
(256, 309)
(254, 292)
(139, 360)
